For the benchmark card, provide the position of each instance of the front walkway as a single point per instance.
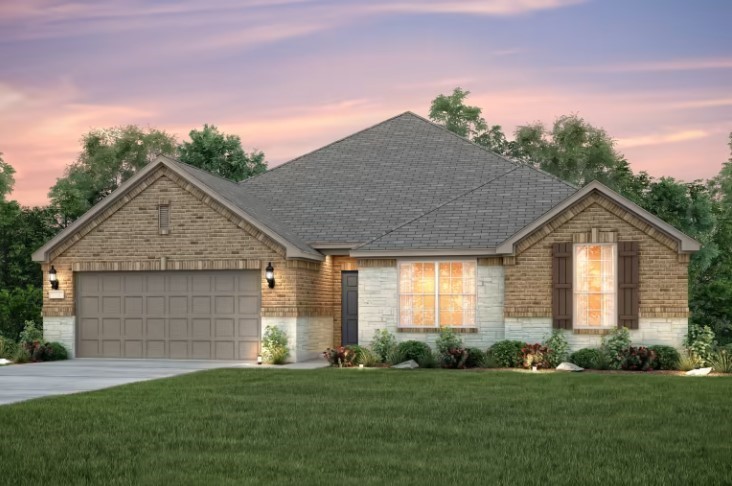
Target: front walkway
(35, 380)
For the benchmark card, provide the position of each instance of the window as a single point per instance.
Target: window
(434, 294)
(595, 285)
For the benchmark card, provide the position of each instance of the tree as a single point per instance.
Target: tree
(108, 158)
(6, 178)
(221, 154)
(451, 112)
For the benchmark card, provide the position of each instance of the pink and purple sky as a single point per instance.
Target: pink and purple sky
(289, 76)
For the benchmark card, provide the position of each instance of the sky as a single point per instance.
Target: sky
(289, 76)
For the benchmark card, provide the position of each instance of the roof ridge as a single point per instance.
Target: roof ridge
(441, 205)
(326, 146)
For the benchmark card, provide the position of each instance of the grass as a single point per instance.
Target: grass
(377, 427)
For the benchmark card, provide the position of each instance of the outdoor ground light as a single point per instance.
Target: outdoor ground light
(53, 278)
(259, 359)
(269, 275)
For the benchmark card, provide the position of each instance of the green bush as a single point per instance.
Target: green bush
(722, 361)
(700, 343)
(30, 333)
(507, 354)
(689, 361)
(17, 306)
(667, 357)
(394, 356)
(8, 348)
(586, 357)
(22, 355)
(416, 350)
(476, 359)
(448, 340)
(558, 348)
(55, 351)
(616, 345)
(274, 345)
(383, 343)
(364, 356)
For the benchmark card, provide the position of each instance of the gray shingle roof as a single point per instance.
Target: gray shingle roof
(405, 183)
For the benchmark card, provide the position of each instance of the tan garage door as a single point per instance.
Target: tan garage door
(196, 315)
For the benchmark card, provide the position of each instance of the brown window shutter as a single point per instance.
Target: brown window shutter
(562, 302)
(628, 284)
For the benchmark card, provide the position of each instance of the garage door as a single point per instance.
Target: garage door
(196, 315)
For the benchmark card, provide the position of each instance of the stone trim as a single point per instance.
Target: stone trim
(372, 263)
(509, 260)
(148, 265)
(303, 264)
(431, 330)
(593, 332)
(58, 311)
(490, 262)
(664, 311)
(527, 311)
(295, 311)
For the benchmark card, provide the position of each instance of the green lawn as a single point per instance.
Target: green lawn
(354, 426)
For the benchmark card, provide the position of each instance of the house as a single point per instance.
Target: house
(403, 226)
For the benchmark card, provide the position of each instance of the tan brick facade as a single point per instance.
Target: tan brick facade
(663, 271)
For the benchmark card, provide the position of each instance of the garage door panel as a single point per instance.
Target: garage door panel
(111, 305)
(178, 329)
(155, 328)
(224, 328)
(201, 305)
(133, 349)
(179, 315)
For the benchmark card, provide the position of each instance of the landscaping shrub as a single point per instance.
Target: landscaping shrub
(18, 306)
(586, 357)
(416, 350)
(721, 361)
(8, 348)
(450, 350)
(700, 342)
(507, 354)
(342, 356)
(383, 343)
(30, 333)
(476, 359)
(639, 359)
(667, 357)
(364, 356)
(274, 345)
(558, 348)
(22, 355)
(689, 361)
(534, 355)
(55, 351)
(616, 345)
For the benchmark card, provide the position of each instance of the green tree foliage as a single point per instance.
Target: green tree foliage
(6, 178)
(17, 306)
(452, 112)
(107, 159)
(221, 154)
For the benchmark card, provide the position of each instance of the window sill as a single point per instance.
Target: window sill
(428, 330)
(595, 332)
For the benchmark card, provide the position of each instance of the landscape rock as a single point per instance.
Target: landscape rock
(4, 361)
(406, 365)
(699, 372)
(567, 366)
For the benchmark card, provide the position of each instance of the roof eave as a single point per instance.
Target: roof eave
(424, 252)
(686, 243)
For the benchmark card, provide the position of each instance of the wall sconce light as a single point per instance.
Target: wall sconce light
(53, 278)
(269, 275)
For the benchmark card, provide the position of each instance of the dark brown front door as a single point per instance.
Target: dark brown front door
(349, 306)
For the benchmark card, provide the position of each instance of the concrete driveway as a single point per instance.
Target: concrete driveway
(24, 382)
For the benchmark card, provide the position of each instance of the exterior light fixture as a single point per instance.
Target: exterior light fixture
(269, 275)
(259, 359)
(53, 278)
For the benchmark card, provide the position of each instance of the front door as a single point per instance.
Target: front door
(349, 306)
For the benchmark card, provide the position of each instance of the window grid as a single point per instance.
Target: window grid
(595, 287)
(434, 294)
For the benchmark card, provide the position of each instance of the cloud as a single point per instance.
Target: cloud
(662, 138)
(656, 66)
(471, 7)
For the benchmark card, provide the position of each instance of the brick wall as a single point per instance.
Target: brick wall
(663, 272)
(340, 264)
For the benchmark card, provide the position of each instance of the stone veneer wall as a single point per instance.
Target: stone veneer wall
(308, 337)
(670, 331)
(61, 329)
(378, 303)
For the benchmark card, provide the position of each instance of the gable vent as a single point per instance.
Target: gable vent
(164, 218)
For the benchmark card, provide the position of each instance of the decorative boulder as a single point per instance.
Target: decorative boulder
(699, 372)
(406, 365)
(567, 366)
(4, 361)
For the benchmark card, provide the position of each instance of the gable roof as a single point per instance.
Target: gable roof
(221, 190)
(364, 186)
